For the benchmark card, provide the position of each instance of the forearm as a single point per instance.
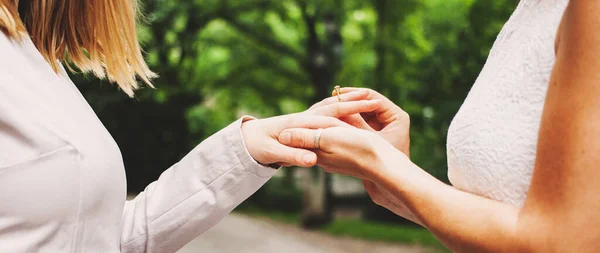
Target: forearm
(193, 195)
(464, 222)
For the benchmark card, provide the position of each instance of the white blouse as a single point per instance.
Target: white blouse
(62, 180)
(493, 138)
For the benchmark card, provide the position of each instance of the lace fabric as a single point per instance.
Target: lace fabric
(492, 140)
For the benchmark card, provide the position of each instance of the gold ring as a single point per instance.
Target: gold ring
(337, 90)
(318, 138)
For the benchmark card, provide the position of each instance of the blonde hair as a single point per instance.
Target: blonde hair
(97, 36)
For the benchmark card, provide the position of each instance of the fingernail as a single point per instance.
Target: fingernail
(308, 158)
(285, 138)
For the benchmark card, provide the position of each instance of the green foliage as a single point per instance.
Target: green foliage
(227, 58)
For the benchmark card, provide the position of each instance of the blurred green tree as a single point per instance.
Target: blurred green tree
(220, 59)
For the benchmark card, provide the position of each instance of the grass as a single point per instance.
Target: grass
(374, 231)
(354, 228)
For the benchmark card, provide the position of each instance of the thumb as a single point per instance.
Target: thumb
(296, 156)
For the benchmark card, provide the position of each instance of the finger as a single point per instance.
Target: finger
(370, 94)
(357, 121)
(387, 112)
(314, 122)
(372, 121)
(285, 165)
(296, 157)
(343, 109)
(349, 96)
(303, 138)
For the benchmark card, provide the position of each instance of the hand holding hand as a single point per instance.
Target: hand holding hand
(261, 135)
(389, 121)
(354, 152)
(344, 150)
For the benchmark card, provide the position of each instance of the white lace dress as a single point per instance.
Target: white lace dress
(492, 140)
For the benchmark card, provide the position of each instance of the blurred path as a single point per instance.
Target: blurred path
(239, 233)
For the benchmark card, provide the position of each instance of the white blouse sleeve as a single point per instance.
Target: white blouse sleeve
(193, 195)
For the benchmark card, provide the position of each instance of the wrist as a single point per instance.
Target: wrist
(248, 130)
(395, 170)
(387, 161)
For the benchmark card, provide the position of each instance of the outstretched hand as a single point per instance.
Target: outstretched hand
(261, 135)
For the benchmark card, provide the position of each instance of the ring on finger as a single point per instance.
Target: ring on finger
(337, 91)
(318, 138)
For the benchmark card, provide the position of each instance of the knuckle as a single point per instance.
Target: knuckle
(328, 110)
(404, 115)
(331, 110)
(302, 141)
(333, 121)
(371, 92)
(316, 105)
(298, 158)
(328, 100)
(318, 110)
(338, 110)
(298, 139)
(364, 104)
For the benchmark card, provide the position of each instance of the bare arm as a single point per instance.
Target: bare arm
(464, 222)
(561, 210)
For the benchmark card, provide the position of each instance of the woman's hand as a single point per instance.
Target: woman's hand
(260, 136)
(344, 150)
(354, 152)
(389, 121)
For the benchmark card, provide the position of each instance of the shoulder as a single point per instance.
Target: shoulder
(14, 63)
(20, 57)
(579, 30)
(9, 48)
(578, 41)
(21, 64)
(23, 135)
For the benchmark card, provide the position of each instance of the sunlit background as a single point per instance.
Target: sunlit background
(218, 60)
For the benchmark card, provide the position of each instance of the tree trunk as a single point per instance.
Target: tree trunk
(380, 46)
(322, 65)
(316, 203)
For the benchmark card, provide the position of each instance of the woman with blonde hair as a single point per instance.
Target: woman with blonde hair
(62, 181)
